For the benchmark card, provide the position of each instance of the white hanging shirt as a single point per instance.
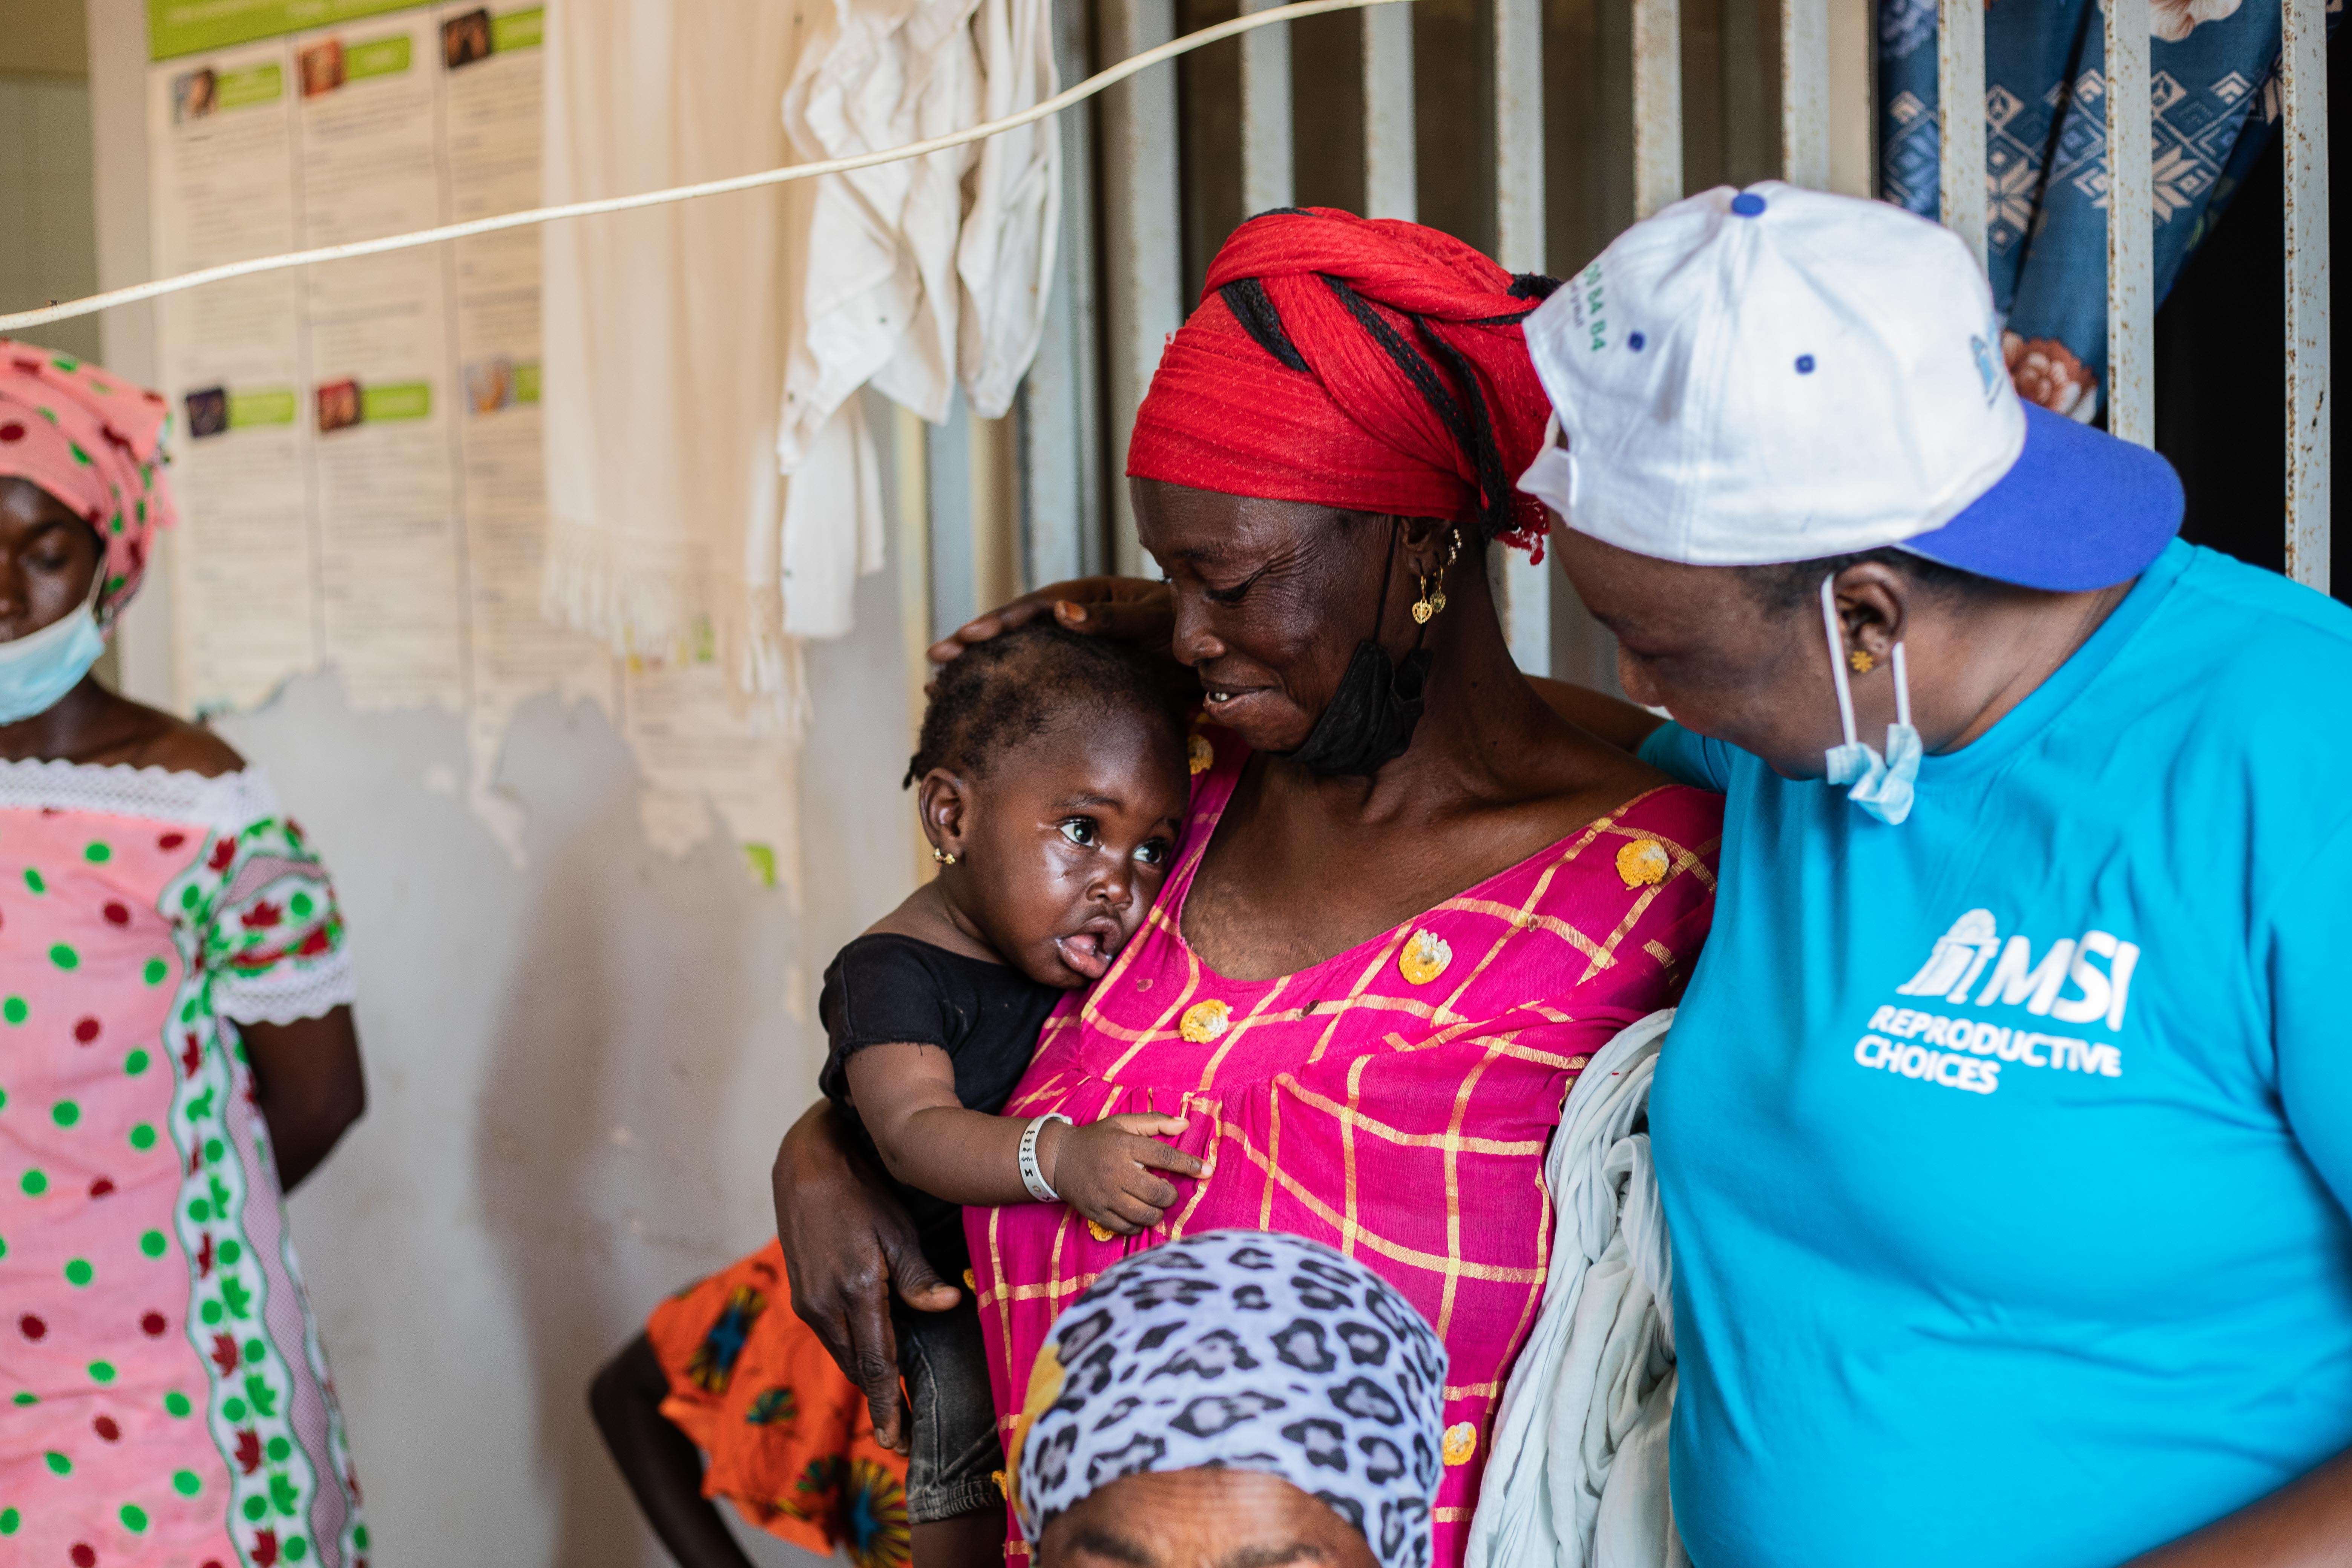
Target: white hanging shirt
(920, 272)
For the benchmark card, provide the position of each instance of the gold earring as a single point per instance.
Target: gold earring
(942, 857)
(1862, 662)
(1430, 605)
(1425, 607)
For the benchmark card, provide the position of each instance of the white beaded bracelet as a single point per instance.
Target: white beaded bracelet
(1031, 1176)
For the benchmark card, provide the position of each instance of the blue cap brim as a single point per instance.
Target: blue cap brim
(2079, 510)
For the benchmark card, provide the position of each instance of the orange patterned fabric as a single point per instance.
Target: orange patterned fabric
(788, 1436)
(1394, 1100)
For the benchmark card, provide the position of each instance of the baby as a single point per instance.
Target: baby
(1051, 781)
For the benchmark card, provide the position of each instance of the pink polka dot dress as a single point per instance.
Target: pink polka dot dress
(163, 1398)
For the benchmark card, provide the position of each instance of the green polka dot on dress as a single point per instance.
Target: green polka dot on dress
(185, 1483)
(98, 853)
(58, 1464)
(136, 1063)
(32, 881)
(151, 1244)
(25, 1396)
(64, 957)
(14, 1010)
(134, 1518)
(101, 1372)
(279, 1448)
(65, 1113)
(33, 1183)
(143, 1137)
(176, 1403)
(155, 971)
(10, 1521)
(78, 1273)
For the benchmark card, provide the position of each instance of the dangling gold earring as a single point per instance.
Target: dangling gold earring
(1430, 605)
(1425, 607)
(1862, 662)
(942, 857)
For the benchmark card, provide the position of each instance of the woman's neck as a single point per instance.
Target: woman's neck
(81, 726)
(1973, 665)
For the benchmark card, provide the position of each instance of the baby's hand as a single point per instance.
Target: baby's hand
(1103, 1170)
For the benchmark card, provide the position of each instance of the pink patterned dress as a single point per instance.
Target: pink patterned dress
(1394, 1100)
(166, 1402)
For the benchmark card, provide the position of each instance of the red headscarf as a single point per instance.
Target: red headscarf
(1358, 363)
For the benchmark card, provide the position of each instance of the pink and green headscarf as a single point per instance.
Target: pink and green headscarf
(94, 442)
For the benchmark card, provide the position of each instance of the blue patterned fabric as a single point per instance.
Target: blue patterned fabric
(2214, 90)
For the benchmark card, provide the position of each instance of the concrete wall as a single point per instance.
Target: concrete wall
(578, 1071)
(579, 1074)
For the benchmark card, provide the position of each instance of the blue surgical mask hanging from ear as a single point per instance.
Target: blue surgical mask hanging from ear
(40, 668)
(1883, 787)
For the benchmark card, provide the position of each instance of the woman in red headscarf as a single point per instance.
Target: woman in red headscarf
(1412, 900)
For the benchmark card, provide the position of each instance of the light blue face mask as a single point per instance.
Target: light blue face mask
(1883, 787)
(39, 669)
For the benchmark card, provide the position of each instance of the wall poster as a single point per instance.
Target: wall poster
(357, 453)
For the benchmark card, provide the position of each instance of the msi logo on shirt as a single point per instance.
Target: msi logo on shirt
(1972, 950)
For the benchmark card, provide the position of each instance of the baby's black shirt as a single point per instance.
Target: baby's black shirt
(887, 989)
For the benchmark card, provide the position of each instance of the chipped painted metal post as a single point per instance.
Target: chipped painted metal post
(1960, 93)
(1805, 93)
(1391, 171)
(1657, 104)
(1267, 162)
(2303, 91)
(2131, 226)
(1519, 246)
(1142, 257)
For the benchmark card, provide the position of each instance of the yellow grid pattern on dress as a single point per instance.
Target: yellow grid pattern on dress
(1344, 1068)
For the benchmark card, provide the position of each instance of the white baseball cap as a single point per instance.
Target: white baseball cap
(1779, 374)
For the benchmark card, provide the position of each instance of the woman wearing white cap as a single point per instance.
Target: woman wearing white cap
(2005, 1133)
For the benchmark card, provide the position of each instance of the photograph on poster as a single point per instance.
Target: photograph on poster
(466, 38)
(490, 385)
(323, 67)
(207, 411)
(193, 95)
(339, 405)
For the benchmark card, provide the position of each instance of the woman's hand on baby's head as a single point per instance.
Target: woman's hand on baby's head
(1129, 609)
(1108, 1169)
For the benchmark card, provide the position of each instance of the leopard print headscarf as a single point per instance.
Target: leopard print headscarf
(1245, 1349)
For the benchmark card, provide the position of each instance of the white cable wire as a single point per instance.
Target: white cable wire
(1055, 105)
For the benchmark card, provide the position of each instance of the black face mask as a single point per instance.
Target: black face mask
(1371, 718)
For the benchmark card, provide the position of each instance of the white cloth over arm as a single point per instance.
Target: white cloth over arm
(1576, 1472)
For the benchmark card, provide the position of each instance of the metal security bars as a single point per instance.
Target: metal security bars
(1127, 275)
(1123, 231)
(2131, 292)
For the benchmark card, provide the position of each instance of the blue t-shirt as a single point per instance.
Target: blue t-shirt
(2007, 1151)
